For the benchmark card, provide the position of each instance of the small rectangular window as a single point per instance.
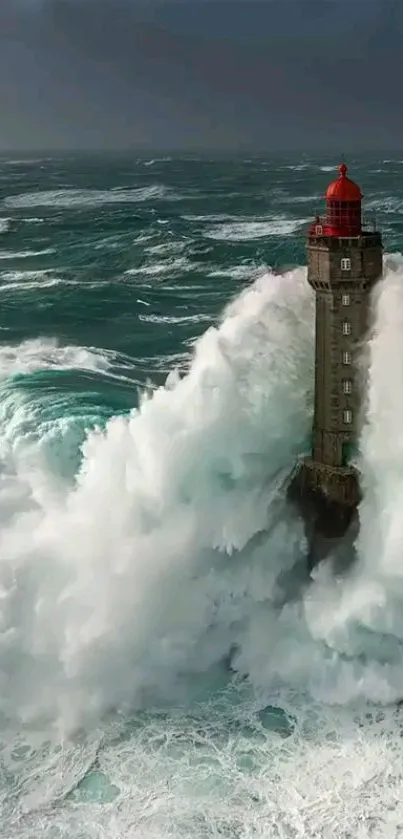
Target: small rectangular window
(345, 300)
(346, 357)
(346, 327)
(347, 386)
(348, 417)
(345, 264)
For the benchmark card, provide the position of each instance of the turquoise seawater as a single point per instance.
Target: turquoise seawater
(165, 671)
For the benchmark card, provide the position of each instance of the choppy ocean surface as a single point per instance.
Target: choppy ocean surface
(164, 669)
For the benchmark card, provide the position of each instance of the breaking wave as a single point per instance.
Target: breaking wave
(182, 485)
(41, 354)
(244, 231)
(172, 550)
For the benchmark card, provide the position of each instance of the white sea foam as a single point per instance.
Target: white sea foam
(171, 510)
(166, 248)
(389, 205)
(143, 237)
(72, 198)
(178, 319)
(155, 160)
(29, 285)
(244, 231)
(299, 167)
(128, 588)
(48, 354)
(151, 270)
(25, 161)
(211, 217)
(13, 276)
(25, 254)
(169, 266)
(236, 272)
(23, 281)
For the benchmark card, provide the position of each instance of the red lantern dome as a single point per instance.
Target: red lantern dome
(343, 189)
(343, 209)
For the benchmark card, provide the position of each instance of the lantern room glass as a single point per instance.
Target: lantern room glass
(344, 216)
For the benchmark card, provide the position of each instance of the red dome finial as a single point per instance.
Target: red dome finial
(343, 170)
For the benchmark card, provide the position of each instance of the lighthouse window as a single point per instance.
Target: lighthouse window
(345, 300)
(345, 264)
(348, 417)
(347, 385)
(346, 357)
(346, 327)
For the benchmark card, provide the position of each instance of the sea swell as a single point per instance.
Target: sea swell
(167, 669)
(72, 198)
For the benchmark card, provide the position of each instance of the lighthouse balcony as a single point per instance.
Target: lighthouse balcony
(338, 236)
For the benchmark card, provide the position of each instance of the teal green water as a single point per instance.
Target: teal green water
(163, 670)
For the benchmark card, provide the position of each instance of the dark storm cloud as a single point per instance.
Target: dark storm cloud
(201, 73)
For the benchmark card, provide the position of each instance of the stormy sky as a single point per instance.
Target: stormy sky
(201, 74)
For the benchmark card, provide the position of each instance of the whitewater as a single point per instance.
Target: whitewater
(167, 668)
(121, 591)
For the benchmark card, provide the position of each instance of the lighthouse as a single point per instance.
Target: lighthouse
(344, 264)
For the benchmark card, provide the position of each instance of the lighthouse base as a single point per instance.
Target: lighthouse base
(327, 498)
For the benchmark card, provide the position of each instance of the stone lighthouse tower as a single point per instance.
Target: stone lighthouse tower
(344, 263)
